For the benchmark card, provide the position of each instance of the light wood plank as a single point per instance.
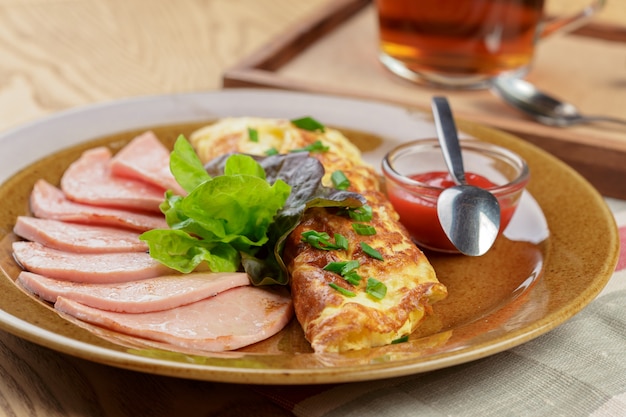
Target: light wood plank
(61, 54)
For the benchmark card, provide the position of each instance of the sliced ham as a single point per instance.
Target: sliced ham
(88, 180)
(83, 258)
(74, 237)
(152, 294)
(146, 159)
(233, 319)
(87, 267)
(49, 202)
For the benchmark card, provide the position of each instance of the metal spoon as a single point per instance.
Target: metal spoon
(542, 107)
(469, 215)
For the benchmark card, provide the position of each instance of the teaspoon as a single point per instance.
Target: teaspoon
(542, 107)
(469, 215)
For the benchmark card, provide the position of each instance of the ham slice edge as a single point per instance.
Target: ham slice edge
(151, 294)
(49, 202)
(146, 159)
(235, 318)
(87, 267)
(89, 180)
(75, 237)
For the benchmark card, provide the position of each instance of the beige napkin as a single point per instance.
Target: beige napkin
(578, 369)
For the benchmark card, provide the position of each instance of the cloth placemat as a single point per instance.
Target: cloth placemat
(577, 369)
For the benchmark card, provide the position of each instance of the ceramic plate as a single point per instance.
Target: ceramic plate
(555, 257)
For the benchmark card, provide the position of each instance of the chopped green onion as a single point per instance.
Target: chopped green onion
(342, 290)
(335, 267)
(316, 146)
(402, 339)
(340, 181)
(361, 214)
(316, 239)
(353, 278)
(341, 241)
(253, 134)
(271, 151)
(364, 229)
(350, 266)
(321, 240)
(342, 267)
(308, 123)
(371, 251)
(375, 288)
(347, 269)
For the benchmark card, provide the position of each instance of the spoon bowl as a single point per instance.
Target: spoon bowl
(469, 215)
(541, 106)
(470, 218)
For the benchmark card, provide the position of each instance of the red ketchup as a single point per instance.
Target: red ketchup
(419, 213)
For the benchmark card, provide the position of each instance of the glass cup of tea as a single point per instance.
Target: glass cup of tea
(465, 43)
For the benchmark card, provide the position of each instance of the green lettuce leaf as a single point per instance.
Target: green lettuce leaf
(220, 218)
(304, 174)
(186, 166)
(181, 251)
(239, 211)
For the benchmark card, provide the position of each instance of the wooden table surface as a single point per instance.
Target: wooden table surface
(60, 54)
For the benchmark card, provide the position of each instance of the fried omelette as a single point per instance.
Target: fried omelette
(335, 314)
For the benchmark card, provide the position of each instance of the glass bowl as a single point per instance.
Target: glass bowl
(416, 173)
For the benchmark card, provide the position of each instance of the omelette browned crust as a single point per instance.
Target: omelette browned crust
(331, 321)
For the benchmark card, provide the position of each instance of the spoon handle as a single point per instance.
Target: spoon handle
(446, 132)
(604, 119)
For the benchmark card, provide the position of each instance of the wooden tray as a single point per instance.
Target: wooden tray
(334, 51)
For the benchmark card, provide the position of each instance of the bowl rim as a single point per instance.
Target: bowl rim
(518, 183)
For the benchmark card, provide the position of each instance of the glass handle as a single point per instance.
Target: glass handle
(568, 24)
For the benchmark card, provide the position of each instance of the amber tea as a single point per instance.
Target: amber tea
(459, 43)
